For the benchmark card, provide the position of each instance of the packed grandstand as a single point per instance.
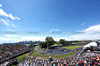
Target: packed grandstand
(83, 60)
(11, 51)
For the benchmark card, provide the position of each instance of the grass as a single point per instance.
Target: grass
(1, 48)
(53, 56)
(40, 48)
(56, 43)
(72, 47)
(21, 57)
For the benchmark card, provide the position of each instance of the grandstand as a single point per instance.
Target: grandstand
(85, 59)
(9, 52)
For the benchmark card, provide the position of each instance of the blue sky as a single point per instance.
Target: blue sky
(49, 16)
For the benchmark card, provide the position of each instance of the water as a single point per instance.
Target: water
(27, 44)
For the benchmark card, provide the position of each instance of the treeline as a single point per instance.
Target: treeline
(50, 41)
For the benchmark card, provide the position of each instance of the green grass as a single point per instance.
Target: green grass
(1, 48)
(57, 43)
(72, 47)
(53, 56)
(21, 57)
(40, 48)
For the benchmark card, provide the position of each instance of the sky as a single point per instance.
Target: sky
(34, 20)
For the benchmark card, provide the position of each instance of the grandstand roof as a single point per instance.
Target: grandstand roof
(90, 44)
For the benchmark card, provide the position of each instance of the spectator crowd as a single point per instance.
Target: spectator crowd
(10, 51)
(9, 62)
(85, 59)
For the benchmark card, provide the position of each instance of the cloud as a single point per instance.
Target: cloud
(39, 38)
(11, 38)
(6, 23)
(82, 24)
(50, 31)
(7, 35)
(57, 39)
(91, 33)
(53, 30)
(57, 29)
(95, 34)
(3, 13)
(10, 30)
(6, 40)
(33, 38)
(0, 5)
(93, 29)
(13, 18)
(13, 25)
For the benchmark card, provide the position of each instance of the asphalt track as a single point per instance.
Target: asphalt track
(57, 51)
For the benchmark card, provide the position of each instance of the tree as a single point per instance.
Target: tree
(31, 44)
(62, 41)
(49, 41)
(42, 44)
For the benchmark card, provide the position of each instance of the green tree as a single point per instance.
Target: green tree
(49, 41)
(42, 44)
(62, 41)
(70, 42)
(31, 44)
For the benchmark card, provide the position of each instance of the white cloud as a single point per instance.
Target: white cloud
(57, 39)
(0, 5)
(13, 25)
(3, 13)
(10, 30)
(50, 31)
(10, 38)
(82, 24)
(7, 35)
(88, 36)
(57, 29)
(91, 33)
(3, 39)
(53, 30)
(12, 17)
(93, 29)
(85, 37)
(6, 23)
(33, 38)
(6, 40)
(39, 38)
